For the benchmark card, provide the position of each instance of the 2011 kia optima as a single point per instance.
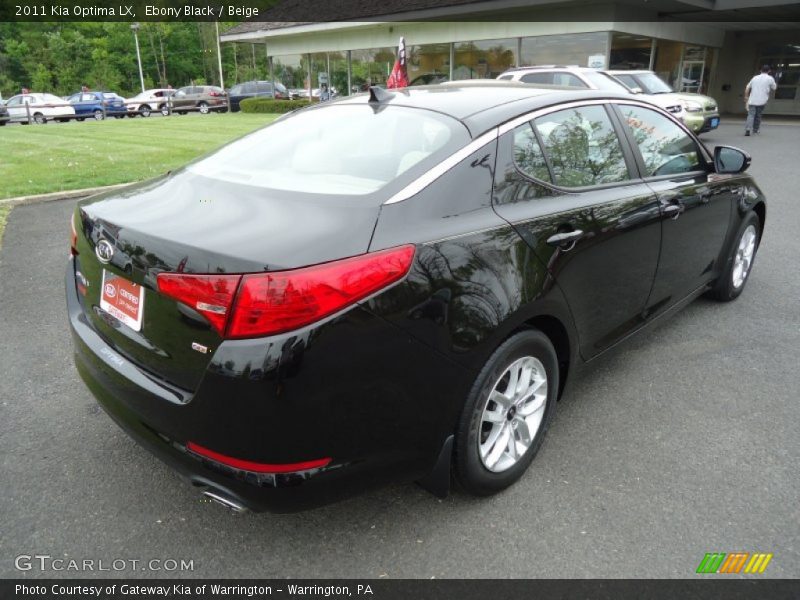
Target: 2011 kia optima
(400, 289)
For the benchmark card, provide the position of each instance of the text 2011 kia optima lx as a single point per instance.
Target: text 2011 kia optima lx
(400, 288)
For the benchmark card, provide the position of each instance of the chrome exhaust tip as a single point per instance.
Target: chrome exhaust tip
(228, 503)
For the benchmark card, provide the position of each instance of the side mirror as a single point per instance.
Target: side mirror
(728, 159)
(637, 90)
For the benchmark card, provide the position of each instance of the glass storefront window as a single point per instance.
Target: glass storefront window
(630, 51)
(371, 67)
(428, 63)
(290, 70)
(484, 59)
(785, 64)
(569, 49)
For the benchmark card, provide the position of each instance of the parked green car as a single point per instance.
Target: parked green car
(700, 113)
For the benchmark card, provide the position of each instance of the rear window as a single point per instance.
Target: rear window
(341, 150)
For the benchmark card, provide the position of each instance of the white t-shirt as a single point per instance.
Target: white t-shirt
(760, 87)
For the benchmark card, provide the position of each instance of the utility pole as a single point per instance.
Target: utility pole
(219, 57)
(135, 29)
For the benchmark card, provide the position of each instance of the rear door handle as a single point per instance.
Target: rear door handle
(565, 239)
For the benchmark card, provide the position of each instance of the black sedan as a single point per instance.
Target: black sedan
(401, 289)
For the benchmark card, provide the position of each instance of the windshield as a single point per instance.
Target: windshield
(344, 149)
(605, 82)
(653, 84)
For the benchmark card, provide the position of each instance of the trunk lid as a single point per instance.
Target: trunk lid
(194, 224)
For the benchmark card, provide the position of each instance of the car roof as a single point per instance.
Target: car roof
(548, 68)
(485, 104)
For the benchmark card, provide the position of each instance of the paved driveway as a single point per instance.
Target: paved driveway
(685, 441)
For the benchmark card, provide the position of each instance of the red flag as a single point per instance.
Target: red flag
(399, 76)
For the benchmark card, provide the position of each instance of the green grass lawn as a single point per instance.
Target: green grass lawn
(37, 159)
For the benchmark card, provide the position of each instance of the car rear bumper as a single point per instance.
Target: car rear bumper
(304, 401)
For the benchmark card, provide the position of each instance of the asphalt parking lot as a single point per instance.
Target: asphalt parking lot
(684, 441)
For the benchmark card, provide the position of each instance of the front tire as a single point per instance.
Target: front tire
(144, 111)
(203, 108)
(740, 260)
(98, 115)
(507, 413)
(39, 119)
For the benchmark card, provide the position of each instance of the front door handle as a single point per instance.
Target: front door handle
(565, 239)
(672, 211)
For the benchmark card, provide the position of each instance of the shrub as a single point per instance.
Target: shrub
(268, 105)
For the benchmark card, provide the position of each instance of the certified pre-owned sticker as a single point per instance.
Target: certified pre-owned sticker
(122, 299)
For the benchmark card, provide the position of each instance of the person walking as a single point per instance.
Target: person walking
(756, 96)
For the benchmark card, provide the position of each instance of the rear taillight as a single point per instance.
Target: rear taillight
(73, 237)
(270, 303)
(210, 295)
(216, 94)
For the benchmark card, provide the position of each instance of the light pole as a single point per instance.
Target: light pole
(219, 57)
(135, 29)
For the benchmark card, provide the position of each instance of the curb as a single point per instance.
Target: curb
(35, 199)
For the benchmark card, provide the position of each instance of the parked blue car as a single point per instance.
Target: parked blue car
(91, 104)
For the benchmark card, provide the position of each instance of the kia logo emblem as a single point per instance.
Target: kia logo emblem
(104, 251)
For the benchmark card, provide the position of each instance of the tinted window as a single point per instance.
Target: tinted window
(264, 88)
(666, 148)
(528, 154)
(537, 78)
(582, 146)
(628, 80)
(236, 90)
(75, 98)
(568, 79)
(15, 101)
(603, 81)
(505, 77)
(333, 150)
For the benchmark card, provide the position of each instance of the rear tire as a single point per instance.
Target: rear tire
(165, 110)
(98, 115)
(503, 425)
(203, 108)
(144, 111)
(740, 260)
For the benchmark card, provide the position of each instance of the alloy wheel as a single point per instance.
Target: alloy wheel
(512, 414)
(744, 257)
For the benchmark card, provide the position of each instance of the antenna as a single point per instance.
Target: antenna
(378, 94)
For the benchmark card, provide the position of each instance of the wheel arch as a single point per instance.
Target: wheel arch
(556, 331)
(760, 208)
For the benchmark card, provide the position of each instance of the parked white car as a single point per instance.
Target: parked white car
(41, 107)
(148, 101)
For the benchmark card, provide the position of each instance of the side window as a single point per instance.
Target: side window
(528, 154)
(537, 78)
(75, 98)
(88, 98)
(568, 79)
(15, 101)
(666, 148)
(505, 77)
(627, 80)
(582, 146)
